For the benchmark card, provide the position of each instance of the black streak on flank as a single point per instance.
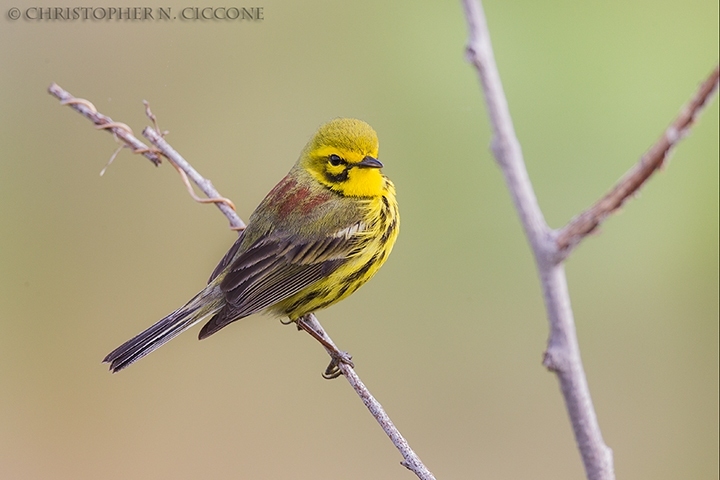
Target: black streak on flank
(383, 215)
(305, 300)
(387, 232)
(358, 274)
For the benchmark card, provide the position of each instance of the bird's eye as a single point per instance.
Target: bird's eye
(335, 160)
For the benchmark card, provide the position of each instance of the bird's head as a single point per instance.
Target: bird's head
(342, 155)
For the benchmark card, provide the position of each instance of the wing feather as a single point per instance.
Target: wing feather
(275, 268)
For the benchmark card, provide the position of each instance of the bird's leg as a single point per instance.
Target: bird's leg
(337, 356)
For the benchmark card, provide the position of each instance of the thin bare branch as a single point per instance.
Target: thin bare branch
(563, 352)
(635, 178)
(410, 459)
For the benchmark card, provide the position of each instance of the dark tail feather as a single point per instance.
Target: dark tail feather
(218, 321)
(154, 337)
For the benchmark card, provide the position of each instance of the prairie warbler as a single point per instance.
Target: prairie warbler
(320, 234)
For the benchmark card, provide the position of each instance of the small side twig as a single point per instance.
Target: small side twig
(124, 133)
(410, 459)
(585, 223)
(120, 130)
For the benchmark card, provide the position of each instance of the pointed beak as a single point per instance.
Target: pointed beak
(369, 162)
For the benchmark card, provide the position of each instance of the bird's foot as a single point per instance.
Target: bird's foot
(333, 370)
(338, 357)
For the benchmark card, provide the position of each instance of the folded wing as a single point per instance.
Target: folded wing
(275, 268)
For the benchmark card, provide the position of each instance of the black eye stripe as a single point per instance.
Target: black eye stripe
(339, 178)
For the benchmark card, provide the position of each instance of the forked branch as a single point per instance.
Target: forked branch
(550, 248)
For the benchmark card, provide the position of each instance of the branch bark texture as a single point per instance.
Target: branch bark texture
(550, 247)
(410, 459)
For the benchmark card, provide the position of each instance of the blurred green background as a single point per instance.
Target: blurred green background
(449, 336)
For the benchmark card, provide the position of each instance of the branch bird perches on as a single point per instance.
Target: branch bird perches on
(411, 461)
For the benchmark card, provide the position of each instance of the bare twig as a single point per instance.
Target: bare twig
(120, 130)
(550, 248)
(410, 460)
(563, 352)
(587, 221)
(125, 134)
